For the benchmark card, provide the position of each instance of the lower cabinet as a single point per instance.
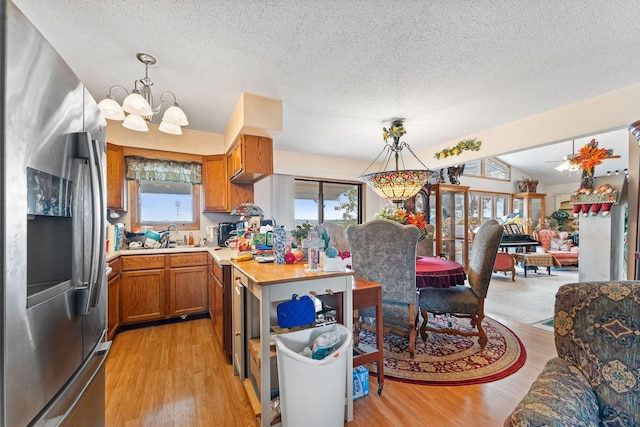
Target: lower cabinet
(155, 287)
(142, 296)
(113, 302)
(220, 287)
(188, 291)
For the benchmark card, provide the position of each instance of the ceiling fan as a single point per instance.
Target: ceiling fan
(568, 161)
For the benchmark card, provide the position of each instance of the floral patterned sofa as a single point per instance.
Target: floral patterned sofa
(559, 245)
(595, 381)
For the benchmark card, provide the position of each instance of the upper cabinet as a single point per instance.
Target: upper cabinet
(221, 195)
(116, 195)
(250, 159)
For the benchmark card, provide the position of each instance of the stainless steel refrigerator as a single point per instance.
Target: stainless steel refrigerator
(53, 230)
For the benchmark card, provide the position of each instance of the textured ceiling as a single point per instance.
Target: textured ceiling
(345, 68)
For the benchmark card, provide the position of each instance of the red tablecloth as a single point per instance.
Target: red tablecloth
(438, 273)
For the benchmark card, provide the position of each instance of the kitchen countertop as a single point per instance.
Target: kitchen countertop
(271, 273)
(222, 255)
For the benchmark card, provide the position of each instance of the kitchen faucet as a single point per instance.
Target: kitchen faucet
(175, 227)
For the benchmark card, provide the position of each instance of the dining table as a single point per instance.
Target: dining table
(433, 272)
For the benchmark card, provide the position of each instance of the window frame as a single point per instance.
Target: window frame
(493, 195)
(321, 182)
(134, 211)
(133, 188)
(483, 169)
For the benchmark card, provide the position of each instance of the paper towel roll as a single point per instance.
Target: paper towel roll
(111, 238)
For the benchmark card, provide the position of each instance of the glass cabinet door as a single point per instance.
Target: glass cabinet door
(531, 205)
(448, 213)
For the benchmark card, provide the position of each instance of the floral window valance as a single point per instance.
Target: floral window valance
(140, 168)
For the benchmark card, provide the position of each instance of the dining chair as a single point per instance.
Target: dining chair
(384, 252)
(465, 301)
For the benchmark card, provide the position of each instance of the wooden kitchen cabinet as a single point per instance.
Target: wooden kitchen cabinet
(113, 299)
(116, 188)
(188, 284)
(142, 295)
(220, 298)
(250, 159)
(210, 284)
(142, 288)
(221, 195)
(188, 291)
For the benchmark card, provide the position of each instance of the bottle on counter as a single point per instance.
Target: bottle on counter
(191, 243)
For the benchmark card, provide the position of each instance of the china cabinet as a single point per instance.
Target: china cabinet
(448, 206)
(531, 205)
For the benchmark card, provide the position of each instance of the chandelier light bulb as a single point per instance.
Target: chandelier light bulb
(170, 128)
(135, 122)
(111, 109)
(175, 115)
(136, 104)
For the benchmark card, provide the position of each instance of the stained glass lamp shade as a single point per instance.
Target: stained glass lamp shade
(247, 209)
(399, 184)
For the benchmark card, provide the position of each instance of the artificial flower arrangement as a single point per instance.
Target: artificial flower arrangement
(464, 145)
(393, 131)
(590, 156)
(403, 217)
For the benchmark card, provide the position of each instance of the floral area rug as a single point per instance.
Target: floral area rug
(448, 359)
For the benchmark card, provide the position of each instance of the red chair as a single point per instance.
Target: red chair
(505, 262)
(559, 245)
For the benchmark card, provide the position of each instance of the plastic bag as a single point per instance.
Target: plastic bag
(325, 344)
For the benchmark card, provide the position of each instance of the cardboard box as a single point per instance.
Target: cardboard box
(360, 382)
(255, 364)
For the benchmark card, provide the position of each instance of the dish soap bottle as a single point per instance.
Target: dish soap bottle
(191, 239)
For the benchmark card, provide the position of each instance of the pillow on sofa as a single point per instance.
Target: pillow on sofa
(560, 245)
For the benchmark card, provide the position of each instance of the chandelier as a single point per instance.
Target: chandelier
(399, 184)
(139, 105)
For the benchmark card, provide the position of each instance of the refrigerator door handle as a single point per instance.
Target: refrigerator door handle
(88, 295)
(77, 395)
(101, 218)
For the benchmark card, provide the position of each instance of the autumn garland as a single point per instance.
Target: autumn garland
(464, 145)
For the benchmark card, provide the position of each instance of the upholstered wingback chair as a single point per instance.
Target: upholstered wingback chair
(559, 245)
(466, 301)
(595, 380)
(384, 252)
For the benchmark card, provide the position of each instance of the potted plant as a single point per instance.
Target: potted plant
(560, 216)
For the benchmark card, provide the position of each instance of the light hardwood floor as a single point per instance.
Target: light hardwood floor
(176, 375)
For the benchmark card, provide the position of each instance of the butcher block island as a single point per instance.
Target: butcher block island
(258, 288)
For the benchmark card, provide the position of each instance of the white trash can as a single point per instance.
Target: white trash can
(312, 392)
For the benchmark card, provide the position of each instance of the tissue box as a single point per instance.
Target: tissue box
(332, 264)
(360, 382)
